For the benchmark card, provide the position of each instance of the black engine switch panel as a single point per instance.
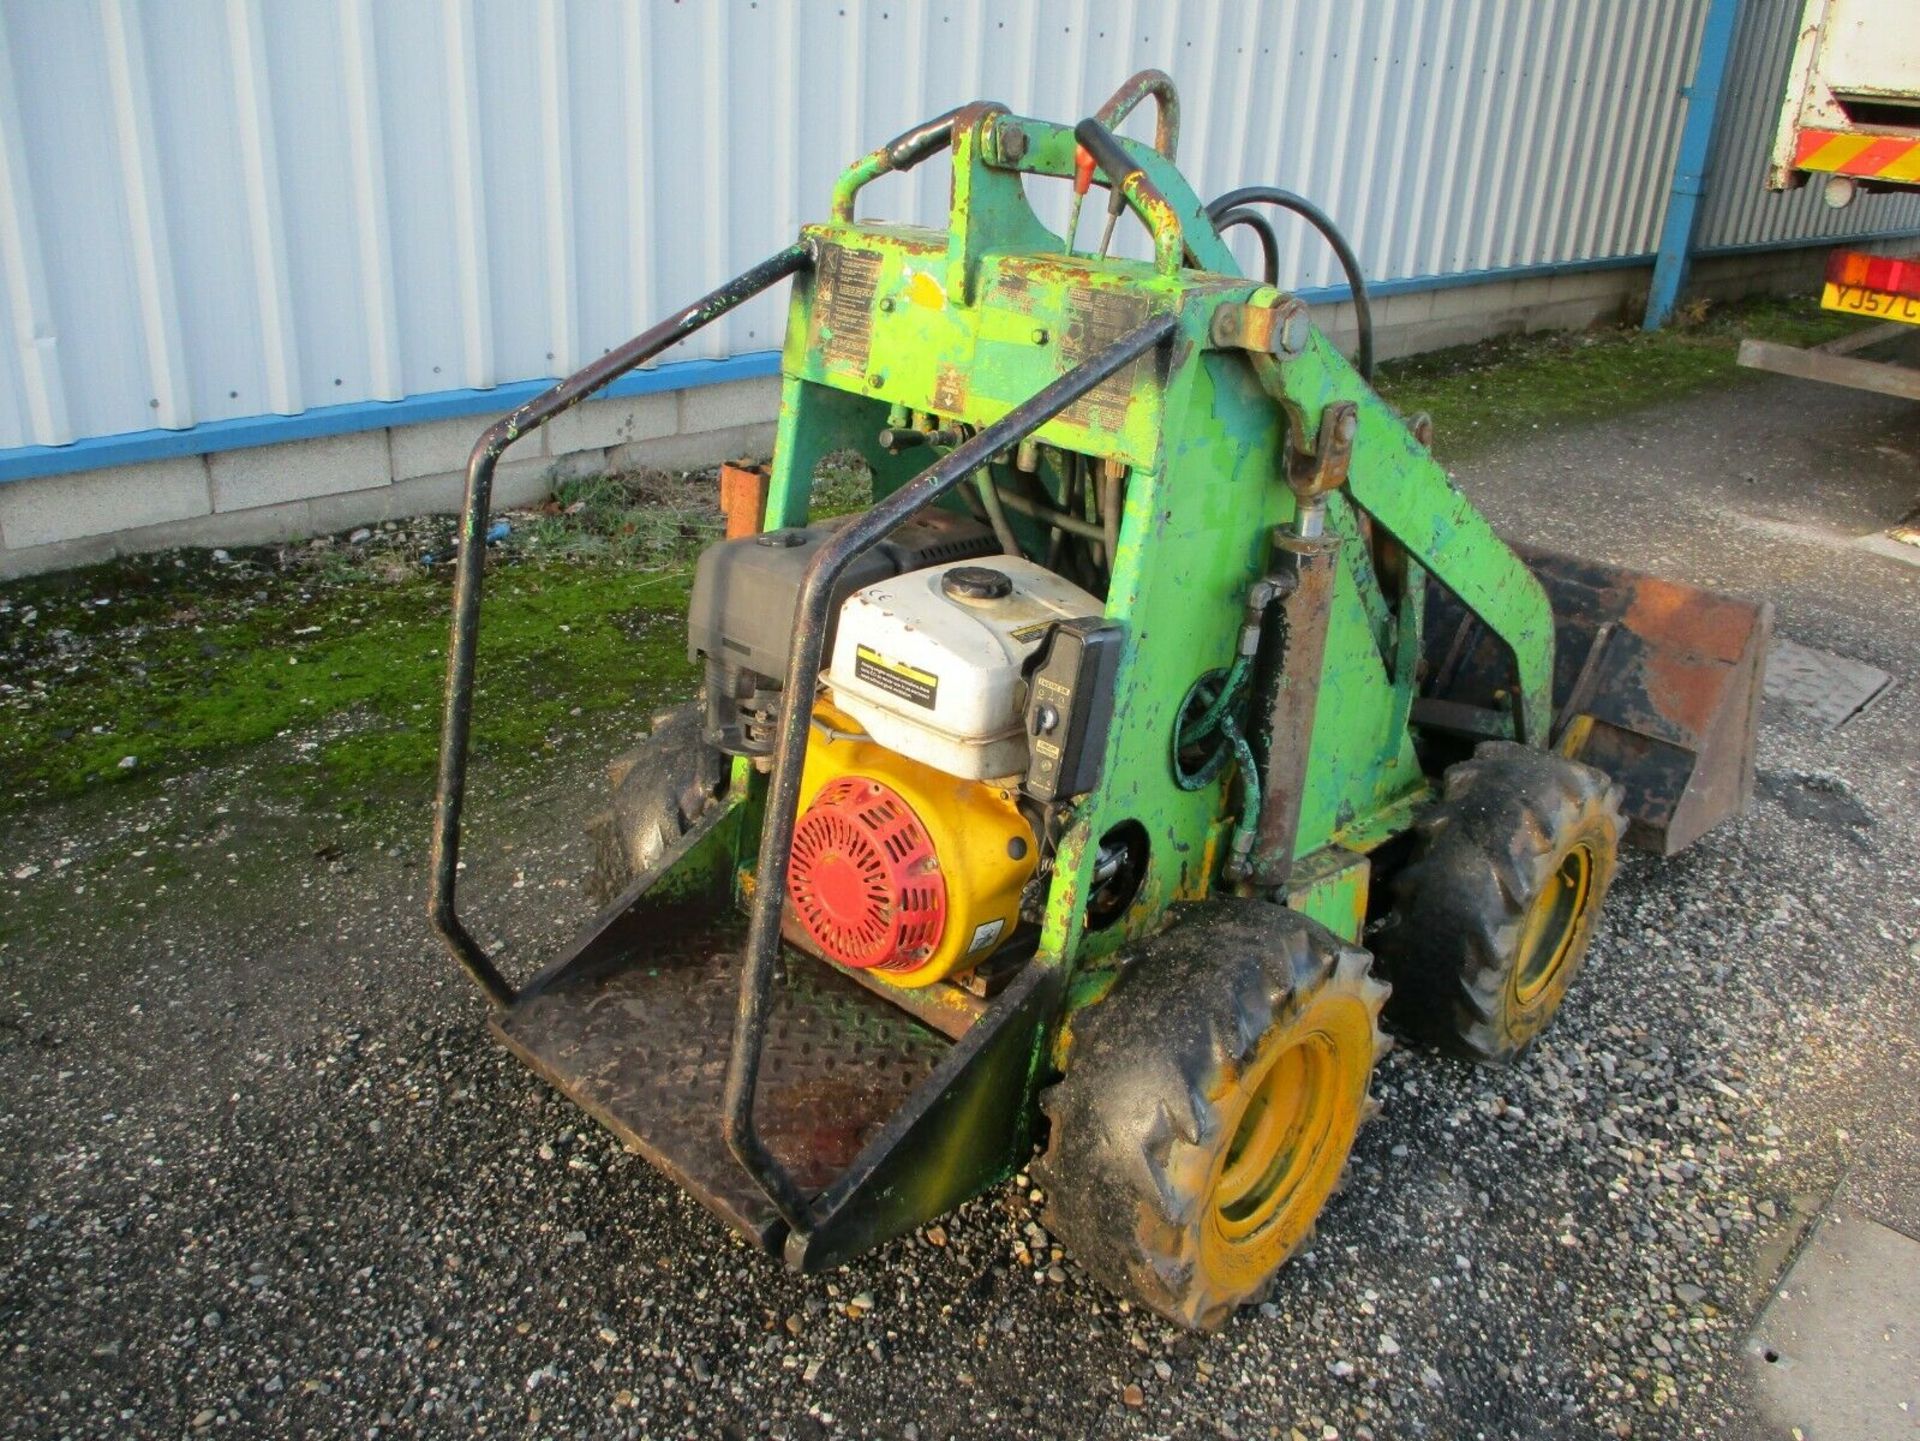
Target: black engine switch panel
(1070, 706)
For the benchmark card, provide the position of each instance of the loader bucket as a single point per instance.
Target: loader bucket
(1655, 682)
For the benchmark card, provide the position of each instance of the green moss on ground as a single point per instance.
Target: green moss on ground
(177, 671)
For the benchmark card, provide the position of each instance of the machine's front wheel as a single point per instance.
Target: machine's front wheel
(1492, 913)
(1209, 1106)
(660, 788)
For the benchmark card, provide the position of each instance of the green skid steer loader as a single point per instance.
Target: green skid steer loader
(1166, 725)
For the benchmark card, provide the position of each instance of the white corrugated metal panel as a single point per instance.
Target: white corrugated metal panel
(212, 209)
(1739, 209)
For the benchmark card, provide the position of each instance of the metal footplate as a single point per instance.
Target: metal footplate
(863, 1106)
(640, 1042)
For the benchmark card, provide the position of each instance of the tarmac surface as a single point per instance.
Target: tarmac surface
(263, 1171)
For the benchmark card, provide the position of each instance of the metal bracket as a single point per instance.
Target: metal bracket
(1276, 327)
(1311, 474)
(1273, 329)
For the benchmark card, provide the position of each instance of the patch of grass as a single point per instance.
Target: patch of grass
(842, 484)
(646, 518)
(1483, 393)
(335, 653)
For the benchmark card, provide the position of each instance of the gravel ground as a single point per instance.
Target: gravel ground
(262, 1171)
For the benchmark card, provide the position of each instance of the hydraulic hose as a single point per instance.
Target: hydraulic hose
(1217, 721)
(1194, 731)
(1247, 826)
(996, 513)
(1259, 225)
(1322, 222)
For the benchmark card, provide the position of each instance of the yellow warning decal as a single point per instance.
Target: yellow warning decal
(895, 677)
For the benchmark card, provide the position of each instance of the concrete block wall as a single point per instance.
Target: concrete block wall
(309, 487)
(287, 492)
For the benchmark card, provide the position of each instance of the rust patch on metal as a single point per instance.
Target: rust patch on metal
(1695, 634)
(643, 1046)
(1656, 682)
(743, 496)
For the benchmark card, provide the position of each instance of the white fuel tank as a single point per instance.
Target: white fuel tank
(930, 662)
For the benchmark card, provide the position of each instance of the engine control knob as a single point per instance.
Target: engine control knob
(1045, 719)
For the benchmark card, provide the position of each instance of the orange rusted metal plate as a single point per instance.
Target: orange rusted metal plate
(743, 496)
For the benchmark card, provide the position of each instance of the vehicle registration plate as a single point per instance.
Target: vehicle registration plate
(1858, 300)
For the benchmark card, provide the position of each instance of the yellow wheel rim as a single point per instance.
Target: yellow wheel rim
(1290, 1139)
(1552, 926)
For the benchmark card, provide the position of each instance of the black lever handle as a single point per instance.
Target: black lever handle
(1136, 187)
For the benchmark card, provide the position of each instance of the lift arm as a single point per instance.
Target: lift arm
(1373, 459)
(1362, 449)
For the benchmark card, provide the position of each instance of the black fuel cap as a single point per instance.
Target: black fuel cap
(976, 582)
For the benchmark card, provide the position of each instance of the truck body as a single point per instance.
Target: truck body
(1851, 114)
(1850, 121)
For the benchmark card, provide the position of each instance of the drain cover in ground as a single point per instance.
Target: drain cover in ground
(1831, 687)
(1837, 1351)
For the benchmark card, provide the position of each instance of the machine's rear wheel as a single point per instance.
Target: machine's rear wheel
(1492, 913)
(1209, 1106)
(660, 788)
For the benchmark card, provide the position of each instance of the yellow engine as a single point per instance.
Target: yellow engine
(898, 867)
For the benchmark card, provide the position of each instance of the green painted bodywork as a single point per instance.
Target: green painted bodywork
(1331, 886)
(896, 323)
(965, 323)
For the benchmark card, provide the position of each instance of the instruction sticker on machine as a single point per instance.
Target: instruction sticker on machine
(984, 935)
(896, 677)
